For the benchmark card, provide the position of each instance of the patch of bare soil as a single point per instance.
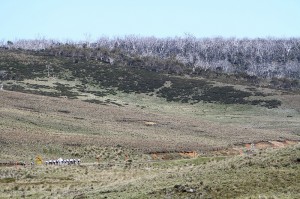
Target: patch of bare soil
(251, 147)
(189, 154)
(174, 155)
(260, 145)
(237, 150)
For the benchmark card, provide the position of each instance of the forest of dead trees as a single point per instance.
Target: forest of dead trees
(262, 57)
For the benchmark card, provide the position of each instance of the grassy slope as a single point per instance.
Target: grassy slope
(38, 124)
(272, 174)
(115, 125)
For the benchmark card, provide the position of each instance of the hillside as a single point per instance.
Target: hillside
(175, 132)
(250, 58)
(186, 113)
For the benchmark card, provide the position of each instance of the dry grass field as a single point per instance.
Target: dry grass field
(28, 120)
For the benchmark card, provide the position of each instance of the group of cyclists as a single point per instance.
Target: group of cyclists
(61, 161)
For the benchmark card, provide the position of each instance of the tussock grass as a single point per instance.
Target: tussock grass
(271, 173)
(115, 118)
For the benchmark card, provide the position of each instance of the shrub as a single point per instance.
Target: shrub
(7, 180)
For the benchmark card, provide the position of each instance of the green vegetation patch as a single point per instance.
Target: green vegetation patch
(267, 103)
(94, 101)
(7, 180)
(107, 79)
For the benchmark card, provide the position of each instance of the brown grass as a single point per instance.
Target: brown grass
(32, 120)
